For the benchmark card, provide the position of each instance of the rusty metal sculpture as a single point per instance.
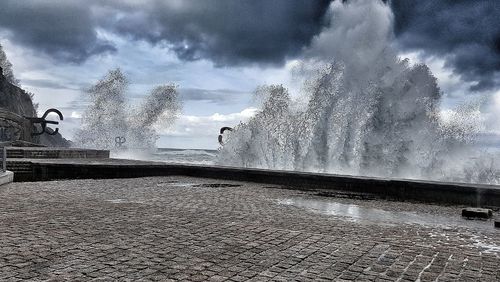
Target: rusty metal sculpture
(221, 141)
(43, 122)
(119, 141)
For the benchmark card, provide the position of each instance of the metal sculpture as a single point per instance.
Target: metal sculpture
(119, 141)
(221, 141)
(43, 122)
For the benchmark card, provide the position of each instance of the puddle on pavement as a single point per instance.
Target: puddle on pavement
(487, 247)
(123, 201)
(167, 183)
(174, 184)
(363, 214)
(203, 185)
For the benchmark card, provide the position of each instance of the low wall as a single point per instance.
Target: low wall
(401, 190)
(55, 153)
(14, 127)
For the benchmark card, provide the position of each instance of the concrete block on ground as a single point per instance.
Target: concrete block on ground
(6, 177)
(477, 213)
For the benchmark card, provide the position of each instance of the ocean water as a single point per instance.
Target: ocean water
(363, 110)
(169, 155)
(208, 157)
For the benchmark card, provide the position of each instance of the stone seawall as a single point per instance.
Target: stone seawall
(14, 127)
(396, 189)
(55, 153)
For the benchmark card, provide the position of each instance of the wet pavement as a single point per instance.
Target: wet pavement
(194, 229)
(363, 214)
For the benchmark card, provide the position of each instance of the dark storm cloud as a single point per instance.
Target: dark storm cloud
(64, 30)
(229, 32)
(465, 33)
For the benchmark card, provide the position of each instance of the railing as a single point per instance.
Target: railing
(3, 156)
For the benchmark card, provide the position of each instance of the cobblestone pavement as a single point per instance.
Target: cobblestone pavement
(192, 229)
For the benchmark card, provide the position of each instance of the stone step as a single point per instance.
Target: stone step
(22, 170)
(12, 153)
(23, 176)
(55, 153)
(17, 167)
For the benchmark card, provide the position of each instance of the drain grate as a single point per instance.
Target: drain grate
(346, 195)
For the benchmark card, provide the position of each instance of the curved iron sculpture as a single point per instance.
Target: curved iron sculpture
(43, 122)
(220, 139)
(119, 141)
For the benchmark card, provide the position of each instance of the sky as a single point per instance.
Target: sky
(218, 51)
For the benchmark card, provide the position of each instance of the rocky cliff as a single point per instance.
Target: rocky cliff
(16, 100)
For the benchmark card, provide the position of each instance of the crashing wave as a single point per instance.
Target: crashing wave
(108, 118)
(366, 113)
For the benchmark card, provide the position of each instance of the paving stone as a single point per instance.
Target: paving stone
(178, 228)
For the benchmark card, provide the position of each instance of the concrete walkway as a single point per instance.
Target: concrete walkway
(194, 229)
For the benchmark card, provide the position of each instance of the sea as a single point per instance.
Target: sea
(169, 155)
(209, 156)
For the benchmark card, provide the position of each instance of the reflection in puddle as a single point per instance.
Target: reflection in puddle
(485, 245)
(360, 214)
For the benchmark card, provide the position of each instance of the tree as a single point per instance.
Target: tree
(7, 68)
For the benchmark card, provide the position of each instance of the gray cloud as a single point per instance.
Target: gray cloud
(63, 29)
(219, 96)
(47, 83)
(465, 33)
(214, 96)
